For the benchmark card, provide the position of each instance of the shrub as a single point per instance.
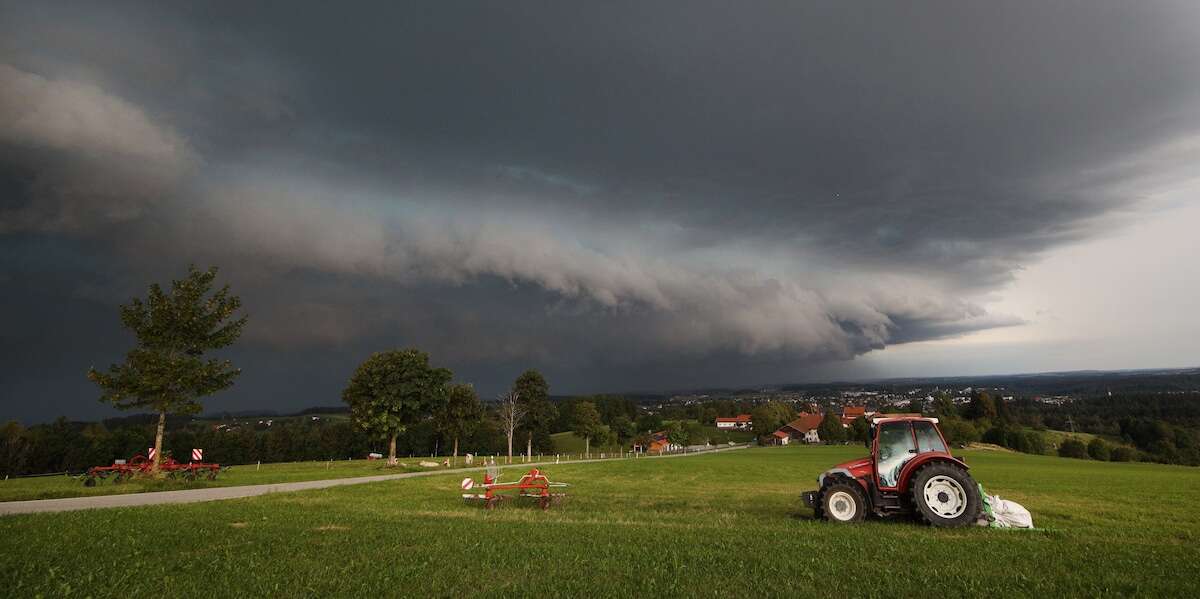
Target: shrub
(1098, 449)
(1122, 454)
(1035, 443)
(1073, 448)
(959, 432)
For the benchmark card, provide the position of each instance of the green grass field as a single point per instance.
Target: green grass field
(712, 525)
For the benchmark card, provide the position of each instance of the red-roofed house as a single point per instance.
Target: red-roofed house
(852, 413)
(658, 443)
(803, 428)
(742, 421)
(779, 437)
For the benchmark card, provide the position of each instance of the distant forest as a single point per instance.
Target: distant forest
(1162, 423)
(312, 434)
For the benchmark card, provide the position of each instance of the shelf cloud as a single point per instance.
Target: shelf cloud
(623, 195)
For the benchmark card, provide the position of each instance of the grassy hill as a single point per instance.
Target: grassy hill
(703, 526)
(1055, 438)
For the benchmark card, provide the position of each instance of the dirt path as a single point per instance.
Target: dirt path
(217, 493)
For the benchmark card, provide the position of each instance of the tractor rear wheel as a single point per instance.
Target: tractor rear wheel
(945, 495)
(843, 502)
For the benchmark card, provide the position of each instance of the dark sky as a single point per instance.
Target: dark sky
(625, 195)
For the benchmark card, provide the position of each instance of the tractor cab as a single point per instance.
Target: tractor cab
(897, 442)
(910, 470)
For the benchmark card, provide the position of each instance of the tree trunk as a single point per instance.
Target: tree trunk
(455, 450)
(510, 436)
(587, 446)
(392, 451)
(529, 446)
(158, 438)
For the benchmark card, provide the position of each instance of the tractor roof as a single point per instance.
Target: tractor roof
(891, 417)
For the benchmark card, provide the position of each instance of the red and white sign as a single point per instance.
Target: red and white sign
(197, 455)
(467, 484)
(150, 453)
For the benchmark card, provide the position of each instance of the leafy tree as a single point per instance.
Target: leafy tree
(678, 434)
(394, 390)
(1098, 449)
(586, 424)
(982, 406)
(860, 430)
(649, 423)
(460, 415)
(916, 406)
(768, 417)
(167, 371)
(14, 449)
(622, 427)
(943, 406)
(643, 440)
(1073, 448)
(1035, 442)
(830, 430)
(1121, 453)
(540, 415)
(1003, 411)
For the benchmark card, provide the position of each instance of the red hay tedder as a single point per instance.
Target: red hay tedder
(139, 464)
(533, 485)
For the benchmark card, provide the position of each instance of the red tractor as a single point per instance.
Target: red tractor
(910, 470)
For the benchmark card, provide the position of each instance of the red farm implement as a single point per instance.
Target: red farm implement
(533, 485)
(139, 465)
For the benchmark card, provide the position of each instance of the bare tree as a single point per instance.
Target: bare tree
(512, 412)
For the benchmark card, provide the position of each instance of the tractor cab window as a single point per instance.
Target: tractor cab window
(895, 448)
(928, 438)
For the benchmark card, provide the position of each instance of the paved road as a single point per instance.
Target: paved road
(216, 493)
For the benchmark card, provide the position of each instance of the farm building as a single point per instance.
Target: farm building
(852, 413)
(658, 443)
(780, 438)
(803, 428)
(740, 422)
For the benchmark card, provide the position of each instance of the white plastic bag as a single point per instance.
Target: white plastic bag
(1009, 514)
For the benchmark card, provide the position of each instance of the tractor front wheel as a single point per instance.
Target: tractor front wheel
(945, 495)
(843, 502)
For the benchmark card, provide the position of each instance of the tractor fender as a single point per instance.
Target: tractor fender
(845, 474)
(833, 472)
(927, 458)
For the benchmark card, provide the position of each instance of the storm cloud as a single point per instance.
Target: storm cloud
(625, 195)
